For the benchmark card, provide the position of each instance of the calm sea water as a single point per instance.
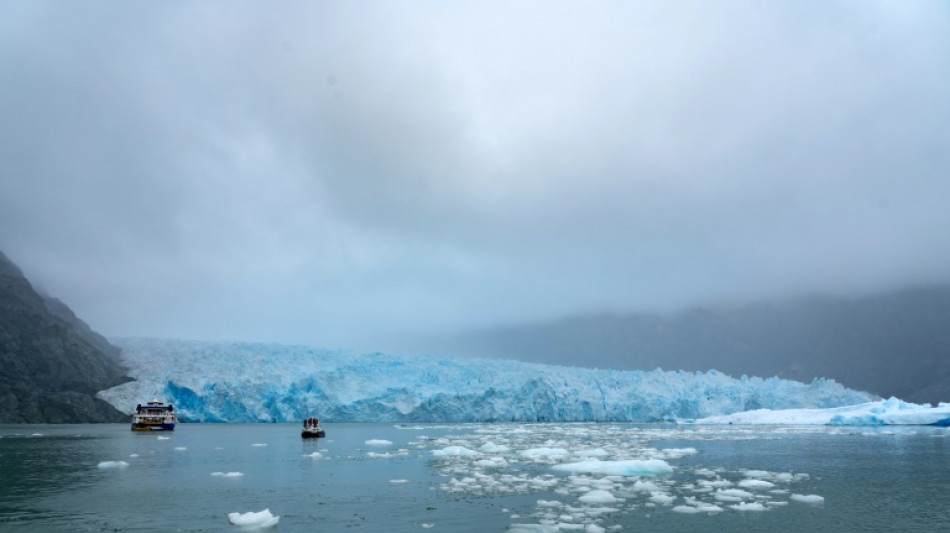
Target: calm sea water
(385, 477)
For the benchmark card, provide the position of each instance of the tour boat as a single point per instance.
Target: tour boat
(312, 429)
(154, 416)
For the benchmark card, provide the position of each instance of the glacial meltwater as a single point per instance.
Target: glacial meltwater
(474, 478)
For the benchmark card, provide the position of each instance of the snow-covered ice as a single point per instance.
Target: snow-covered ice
(277, 383)
(227, 474)
(378, 442)
(113, 464)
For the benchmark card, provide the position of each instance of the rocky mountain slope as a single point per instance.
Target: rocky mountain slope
(51, 362)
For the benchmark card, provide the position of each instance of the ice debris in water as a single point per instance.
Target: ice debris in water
(314, 455)
(387, 388)
(113, 464)
(598, 472)
(262, 519)
(227, 474)
(378, 442)
(630, 467)
(807, 498)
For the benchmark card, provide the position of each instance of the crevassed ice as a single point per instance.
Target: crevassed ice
(243, 382)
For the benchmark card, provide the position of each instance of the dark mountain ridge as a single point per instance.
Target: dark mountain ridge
(51, 362)
(894, 344)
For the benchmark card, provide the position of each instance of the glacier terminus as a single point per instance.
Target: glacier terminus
(250, 382)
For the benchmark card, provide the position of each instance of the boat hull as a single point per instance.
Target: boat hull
(313, 434)
(153, 427)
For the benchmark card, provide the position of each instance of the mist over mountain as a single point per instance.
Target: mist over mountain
(51, 362)
(893, 344)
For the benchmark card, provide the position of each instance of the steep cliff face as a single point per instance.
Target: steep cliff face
(51, 362)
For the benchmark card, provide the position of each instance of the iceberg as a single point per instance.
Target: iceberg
(249, 382)
(891, 412)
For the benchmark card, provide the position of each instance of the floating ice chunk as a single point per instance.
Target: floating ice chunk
(743, 506)
(378, 442)
(686, 509)
(428, 526)
(36, 435)
(646, 486)
(550, 503)
(532, 528)
(677, 453)
(630, 467)
(181, 448)
(259, 444)
(594, 528)
(545, 452)
(398, 481)
(261, 519)
(133, 455)
(227, 474)
(454, 451)
(596, 452)
(491, 447)
(492, 462)
(661, 498)
(113, 464)
(163, 438)
(807, 498)
(314, 455)
(717, 483)
(599, 496)
(732, 495)
(756, 484)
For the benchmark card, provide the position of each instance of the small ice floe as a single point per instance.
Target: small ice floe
(181, 448)
(262, 519)
(599, 496)
(491, 447)
(645, 486)
(378, 442)
(398, 481)
(686, 509)
(133, 455)
(630, 467)
(113, 464)
(259, 444)
(807, 498)
(743, 506)
(545, 452)
(596, 452)
(733, 495)
(676, 453)
(428, 526)
(314, 455)
(163, 438)
(662, 498)
(227, 474)
(36, 435)
(492, 462)
(756, 484)
(454, 451)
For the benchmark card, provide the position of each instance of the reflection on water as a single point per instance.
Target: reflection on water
(477, 477)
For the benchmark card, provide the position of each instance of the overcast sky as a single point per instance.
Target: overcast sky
(343, 174)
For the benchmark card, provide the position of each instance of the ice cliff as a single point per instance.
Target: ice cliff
(240, 382)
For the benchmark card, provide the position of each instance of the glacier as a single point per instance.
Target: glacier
(890, 412)
(254, 382)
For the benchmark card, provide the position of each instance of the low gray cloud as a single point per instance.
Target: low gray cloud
(345, 175)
